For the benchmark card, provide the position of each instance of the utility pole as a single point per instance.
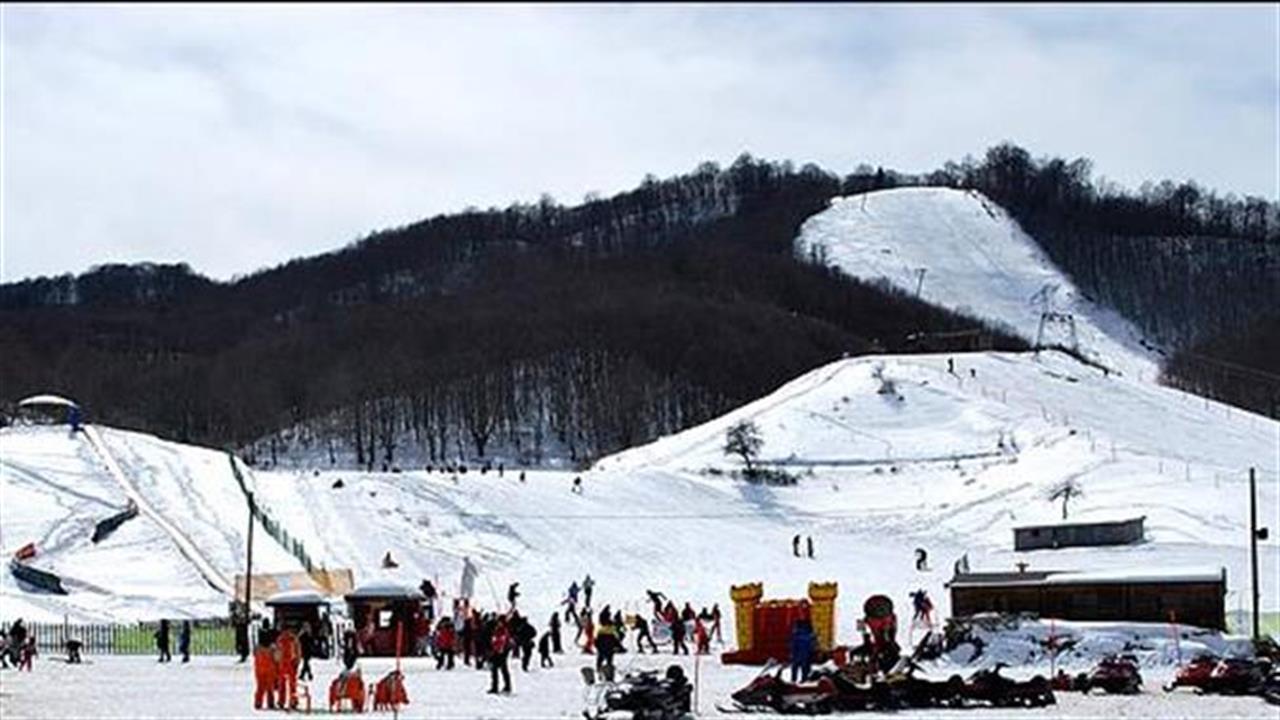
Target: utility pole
(1255, 534)
(248, 565)
(920, 279)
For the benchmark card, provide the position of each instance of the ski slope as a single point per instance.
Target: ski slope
(974, 259)
(55, 486)
(948, 462)
(879, 476)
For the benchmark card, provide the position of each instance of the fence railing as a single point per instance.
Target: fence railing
(207, 638)
(273, 527)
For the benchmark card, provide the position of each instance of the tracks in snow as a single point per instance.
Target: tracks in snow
(189, 550)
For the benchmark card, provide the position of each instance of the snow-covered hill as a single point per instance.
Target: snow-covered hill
(880, 475)
(55, 486)
(962, 251)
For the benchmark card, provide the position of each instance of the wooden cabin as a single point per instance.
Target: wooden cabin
(1190, 597)
(1079, 534)
(377, 609)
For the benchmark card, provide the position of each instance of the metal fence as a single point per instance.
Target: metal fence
(207, 638)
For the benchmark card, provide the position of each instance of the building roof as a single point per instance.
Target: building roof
(47, 400)
(297, 597)
(1129, 576)
(1094, 523)
(384, 589)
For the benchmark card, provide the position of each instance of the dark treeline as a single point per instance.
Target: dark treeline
(542, 330)
(1181, 262)
(1242, 369)
(537, 330)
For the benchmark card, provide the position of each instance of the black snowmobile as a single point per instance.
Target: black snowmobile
(646, 695)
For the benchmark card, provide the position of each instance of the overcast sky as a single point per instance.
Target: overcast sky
(235, 138)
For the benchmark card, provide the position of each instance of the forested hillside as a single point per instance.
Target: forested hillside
(1181, 262)
(533, 331)
(544, 331)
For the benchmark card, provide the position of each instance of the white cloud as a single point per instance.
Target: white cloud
(237, 137)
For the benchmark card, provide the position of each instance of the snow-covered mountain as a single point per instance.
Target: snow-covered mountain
(894, 453)
(960, 250)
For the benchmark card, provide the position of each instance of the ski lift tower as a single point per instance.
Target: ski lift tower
(1053, 319)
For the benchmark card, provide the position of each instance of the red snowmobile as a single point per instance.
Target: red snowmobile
(769, 691)
(1239, 676)
(1197, 674)
(1116, 674)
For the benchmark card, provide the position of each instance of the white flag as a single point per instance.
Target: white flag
(468, 585)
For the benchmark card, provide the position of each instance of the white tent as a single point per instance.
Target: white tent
(44, 400)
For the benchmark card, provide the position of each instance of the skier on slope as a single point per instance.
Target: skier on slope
(923, 607)
(553, 629)
(544, 649)
(641, 626)
(512, 593)
(677, 635)
(571, 602)
(587, 586)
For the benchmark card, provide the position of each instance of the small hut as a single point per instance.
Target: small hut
(377, 609)
(48, 410)
(297, 608)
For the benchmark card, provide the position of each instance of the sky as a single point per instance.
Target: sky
(236, 137)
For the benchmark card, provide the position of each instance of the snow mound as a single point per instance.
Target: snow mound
(975, 259)
(1029, 643)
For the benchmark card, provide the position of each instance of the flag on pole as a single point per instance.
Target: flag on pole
(468, 585)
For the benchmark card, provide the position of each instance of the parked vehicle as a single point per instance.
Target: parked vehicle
(993, 688)
(1197, 674)
(905, 689)
(646, 695)
(1239, 676)
(1116, 674)
(770, 691)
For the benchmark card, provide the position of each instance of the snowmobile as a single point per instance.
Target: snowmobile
(1063, 682)
(645, 695)
(768, 691)
(1196, 674)
(1116, 674)
(901, 688)
(991, 687)
(1239, 676)
(1271, 687)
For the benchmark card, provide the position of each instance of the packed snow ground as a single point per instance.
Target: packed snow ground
(975, 259)
(138, 687)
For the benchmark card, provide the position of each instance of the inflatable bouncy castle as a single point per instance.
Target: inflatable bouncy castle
(764, 626)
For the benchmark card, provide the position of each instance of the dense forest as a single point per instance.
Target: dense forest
(1210, 265)
(527, 333)
(1241, 368)
(542, 331)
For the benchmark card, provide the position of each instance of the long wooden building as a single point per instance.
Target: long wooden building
(1191, 597)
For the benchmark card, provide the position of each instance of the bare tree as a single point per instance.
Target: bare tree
(743, 439)
(1065, 491)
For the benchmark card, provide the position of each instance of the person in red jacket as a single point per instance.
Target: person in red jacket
(446, 640)
(499, 650)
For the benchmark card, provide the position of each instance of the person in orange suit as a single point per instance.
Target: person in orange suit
(265, 675)
(290, 651)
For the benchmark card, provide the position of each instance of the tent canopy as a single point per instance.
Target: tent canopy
(37, 400)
